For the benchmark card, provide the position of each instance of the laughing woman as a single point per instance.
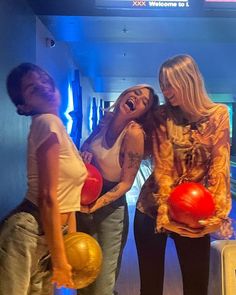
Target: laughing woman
(116, 148)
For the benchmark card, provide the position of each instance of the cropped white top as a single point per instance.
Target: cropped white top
(72, 171)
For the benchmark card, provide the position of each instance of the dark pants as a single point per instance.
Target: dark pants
(193, 254)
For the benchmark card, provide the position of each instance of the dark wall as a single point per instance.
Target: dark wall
(17, 39)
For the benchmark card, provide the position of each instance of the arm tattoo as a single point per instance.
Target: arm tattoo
(114, 189)
(108, 200)
(134, 160)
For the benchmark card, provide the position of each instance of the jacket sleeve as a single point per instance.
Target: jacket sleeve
(163, 170)
(219, 171)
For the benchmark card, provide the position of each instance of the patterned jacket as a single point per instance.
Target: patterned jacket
(183, 151)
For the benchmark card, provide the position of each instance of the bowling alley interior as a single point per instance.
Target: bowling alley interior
(95, 49)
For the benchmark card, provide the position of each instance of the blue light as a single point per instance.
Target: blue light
(65, 291)
(230, 108)
(91, 117)
(70, 107)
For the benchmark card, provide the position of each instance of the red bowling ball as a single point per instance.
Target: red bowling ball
(93, 185)
(190, 202)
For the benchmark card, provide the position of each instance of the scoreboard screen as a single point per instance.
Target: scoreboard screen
(220, 4)
(144, 4)
(169, 7)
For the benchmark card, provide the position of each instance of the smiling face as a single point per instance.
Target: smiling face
(135, 103)
(171, 94)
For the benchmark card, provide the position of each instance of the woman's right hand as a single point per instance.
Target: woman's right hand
(86, 156)
(62, 276)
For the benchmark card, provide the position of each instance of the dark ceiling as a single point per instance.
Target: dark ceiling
(116, 48)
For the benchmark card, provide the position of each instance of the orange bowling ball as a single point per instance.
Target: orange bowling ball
(93, 185)
(85, 256)
(190, 202)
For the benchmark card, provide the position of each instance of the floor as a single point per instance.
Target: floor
(128, 281)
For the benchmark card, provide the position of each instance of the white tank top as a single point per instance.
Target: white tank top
(107, 159)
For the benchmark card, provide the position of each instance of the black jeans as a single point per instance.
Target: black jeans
(193, 255)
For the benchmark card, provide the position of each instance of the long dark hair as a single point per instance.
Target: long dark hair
(149, 123)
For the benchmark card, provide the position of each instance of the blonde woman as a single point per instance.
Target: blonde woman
(190, 143)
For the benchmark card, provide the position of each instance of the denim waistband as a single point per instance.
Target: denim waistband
(28, 207)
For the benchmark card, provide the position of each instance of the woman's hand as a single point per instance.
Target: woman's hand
(86, 156)
(214, 220)
(62, 276)
(99, 203)
(226, 230)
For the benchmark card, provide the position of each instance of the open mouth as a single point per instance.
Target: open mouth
(130, 104)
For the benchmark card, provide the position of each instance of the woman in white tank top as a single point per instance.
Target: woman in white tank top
(116, 148)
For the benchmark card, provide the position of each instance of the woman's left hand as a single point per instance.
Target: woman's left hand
(214, 220)
(226, 230)
(189, 232)
(183, 230)
(91, 208)
(96, 205)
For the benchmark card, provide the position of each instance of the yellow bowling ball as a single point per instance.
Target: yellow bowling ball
(85, 256)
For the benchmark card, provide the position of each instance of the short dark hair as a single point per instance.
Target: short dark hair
(14, 79)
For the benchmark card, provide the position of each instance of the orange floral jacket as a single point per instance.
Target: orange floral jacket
(183, 151)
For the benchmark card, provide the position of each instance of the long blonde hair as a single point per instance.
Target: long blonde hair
(183, 74)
